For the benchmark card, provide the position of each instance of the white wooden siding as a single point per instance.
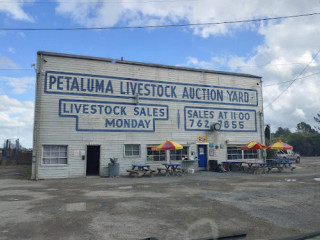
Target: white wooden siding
(52, 129)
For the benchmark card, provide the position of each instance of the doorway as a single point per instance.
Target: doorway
(202, 156)
(93, 160)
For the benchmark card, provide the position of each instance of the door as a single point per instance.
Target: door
(202, 155)
(93, 160)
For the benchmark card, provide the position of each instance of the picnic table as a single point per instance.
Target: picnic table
(228, 165)
(256, 167)
(171, 168)
(139, 170)
(280, 164)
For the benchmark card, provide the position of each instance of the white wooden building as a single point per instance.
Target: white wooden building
(90, 109)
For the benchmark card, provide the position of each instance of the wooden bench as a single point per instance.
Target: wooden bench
(164, 170)
(133, 173)
(280, 167)
(181, 171)
(150, 172)
(140, 173)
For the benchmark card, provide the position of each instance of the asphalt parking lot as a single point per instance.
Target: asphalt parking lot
(200, 205)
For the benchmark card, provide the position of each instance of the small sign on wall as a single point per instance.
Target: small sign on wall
(202, 138)
(76, 153)
(211, 152)
(201, 150)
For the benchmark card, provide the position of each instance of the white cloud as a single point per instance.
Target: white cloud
(92, 13)
(288, 48)
(21, 34)
(288, 44)
(300, 113)
(14, 9)
(16, 120)
(11, 50)
(7, 63)
(104, 14)
(194, 62)
(19, 85)
(282, 49)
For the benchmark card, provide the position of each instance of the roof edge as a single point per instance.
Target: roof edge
(145, 64)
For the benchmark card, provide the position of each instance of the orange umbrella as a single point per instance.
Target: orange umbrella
(253, 145)
(280, 146)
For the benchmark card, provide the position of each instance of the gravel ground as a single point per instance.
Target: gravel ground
(204, 204)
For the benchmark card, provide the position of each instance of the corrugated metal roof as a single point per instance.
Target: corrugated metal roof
(145, 64)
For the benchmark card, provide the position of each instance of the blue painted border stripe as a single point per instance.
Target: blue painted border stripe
(228, 109)
(178, 113)
(107, 102)
(149, 81)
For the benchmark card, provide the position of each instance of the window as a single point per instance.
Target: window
(250, 154)
(131, 150)
(55, 154)
(153, 155)
(178, 154)
(235, 153)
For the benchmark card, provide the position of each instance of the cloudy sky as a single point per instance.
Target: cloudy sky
(280, 50)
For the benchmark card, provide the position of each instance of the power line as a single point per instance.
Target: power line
(268, 64)
(161, 26)
(280, 64)
(261, 65)
(295, 79)
(291, 80)
(16, 69)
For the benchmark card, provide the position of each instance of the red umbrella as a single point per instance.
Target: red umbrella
(253, 145)
(280, 146)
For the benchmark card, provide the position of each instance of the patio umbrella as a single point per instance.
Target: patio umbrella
(280, 146)
(169, 145)
(253, 145)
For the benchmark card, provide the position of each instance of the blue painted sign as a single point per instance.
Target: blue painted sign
(231, 120)
(117, 87)
(113, 116)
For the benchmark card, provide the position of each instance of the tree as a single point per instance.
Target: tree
(305, 140)
(301, 144)
(305, 128)
(317, 119)
(282, 133)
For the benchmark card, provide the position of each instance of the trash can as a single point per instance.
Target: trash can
(104, 172)
(213, 166)
(114, 168)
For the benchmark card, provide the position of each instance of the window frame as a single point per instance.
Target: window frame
(177, 152)
(54, 164)
(160, 154)
(245, 154)
(132, 150)
(252, 152)
(237, 149)
(163, 153)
